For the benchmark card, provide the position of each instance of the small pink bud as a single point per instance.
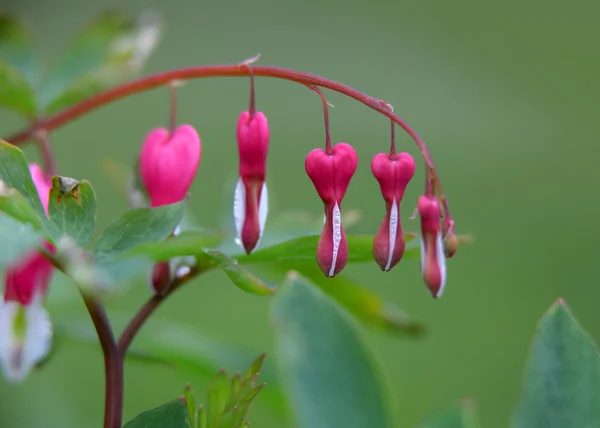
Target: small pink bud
(161, 277)
(331, 175)
(433, 260)
(393, 176)
(28, 277)
(42, 184)
(251, 205)
(168, 163)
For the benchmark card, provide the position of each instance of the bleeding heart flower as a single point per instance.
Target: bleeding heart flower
(250, 205)
(25, 328)
(168, 163)
(331, 175)
(433, 260)
(393, 175)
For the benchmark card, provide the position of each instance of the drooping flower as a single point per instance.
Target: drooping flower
(393, 175)
(250, 205)
(433, 259)
(168, 163)
(25, 328)
(331, 175)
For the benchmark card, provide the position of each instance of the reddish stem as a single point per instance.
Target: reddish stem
(152, 81)
(252, 109)
(328, 148)
(172, 107)
(393, 143)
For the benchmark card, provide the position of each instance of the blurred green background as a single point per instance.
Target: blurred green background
(506, 95)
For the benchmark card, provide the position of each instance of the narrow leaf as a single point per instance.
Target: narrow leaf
(201, 416)
(241, 277)
(327, 371)
(110, 50)
(463, 415)
(562, 377)
(16, 239)
(171, 415)
(361, 302)
(301, 251)
(190, 400)
(17, 67)
(188, 243)
(139, 226)
(14, 172)
(72, 209)
(218, 394)
(255, 367)
(234, 417)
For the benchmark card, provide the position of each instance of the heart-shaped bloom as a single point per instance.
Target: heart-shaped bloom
(433, 259)
(251, 204)
(393, 175)
(331, 175)
(168, 163)
(25, 329)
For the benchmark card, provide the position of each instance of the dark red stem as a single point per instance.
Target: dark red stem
(328, 148)
(252, 109)
(172, 107)
(393, 143)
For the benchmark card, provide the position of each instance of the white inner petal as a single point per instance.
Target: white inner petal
(393, 231)
(422, 255)
(441, 259)
(337, 236)
(239, 210)
(18, 355)
(263, 210)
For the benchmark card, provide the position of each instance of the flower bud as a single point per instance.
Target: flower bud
(161, 278)
(331, 175)
(25, 329)
(168, 163)
(250, 205)
(393, 176)
(433, 260)
(450, 239)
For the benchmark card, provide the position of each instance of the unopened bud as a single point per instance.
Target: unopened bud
(161, 278)
(433, 259)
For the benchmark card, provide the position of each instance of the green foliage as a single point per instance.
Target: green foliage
(72, 209)
(17, 67)
(228, 400)
(462, 415)
(171, 415)
(13, 204)
(16, 239)
(139, 226)
(326, 369)
(14, 172)
(188, 243)
(562, 378)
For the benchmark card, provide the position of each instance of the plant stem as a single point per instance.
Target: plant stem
(43, 139)
(113, 363)
(235, 70)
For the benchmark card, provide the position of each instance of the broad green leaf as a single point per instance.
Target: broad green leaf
(137, 227)
(17, 67)
(16, 239)
(217, 396)
(241, 277)
(72, 209)
(360, 301)
(190, 400)
(562, 377)
(110, 50)
(171, 415)
(462, 415)
(301, 251)
(185, 244)
(325, 367)
(12, 203)
(14, 172)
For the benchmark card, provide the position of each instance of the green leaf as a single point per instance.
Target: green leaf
(13, 204)
(562, 377)
(241, 277)
(462, 415)
(234, 417)
(218, 394)
(16, 239)
(301, 251)
(188, 243)
(139, 226)
(72, 209)
(255, 367)
(201, 416)
(17, 67)
(110, 50)
(171, 415)
(325, 366)
(14, 171)
(190, 400)
(360, 301)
